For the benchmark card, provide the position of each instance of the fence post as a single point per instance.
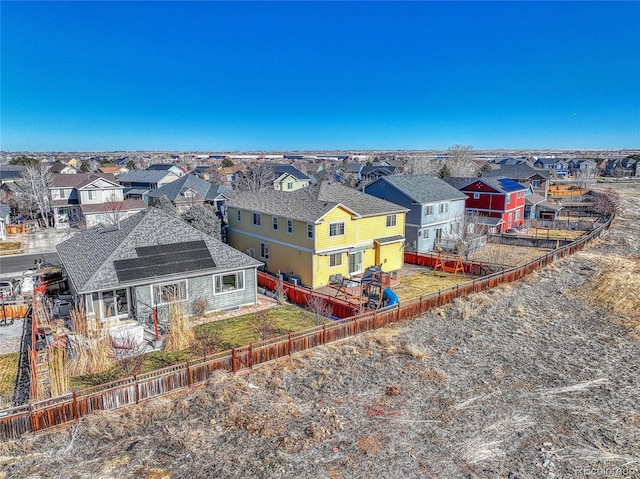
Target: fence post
(76, 413)
(289, 343)
(189, 381)
(324, 333)
(250, 356)
(233, 360)
(137, 389)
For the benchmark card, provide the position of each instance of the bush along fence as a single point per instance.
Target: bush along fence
(69, 408)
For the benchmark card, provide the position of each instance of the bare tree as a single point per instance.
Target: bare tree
(606, 203)
(257, 178)
(584, 178)
(460, 161)
(203, 218)
(466, 235)
(421, 165)
(320, 308)
(34, 190)
(114, 211)
(163, 203)
(263, 325)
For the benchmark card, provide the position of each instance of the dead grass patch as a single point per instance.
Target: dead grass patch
(418, 284)
(433, 375)
(615, 286)
(370, 445)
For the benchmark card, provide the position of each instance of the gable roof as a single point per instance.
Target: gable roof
(79, 180)
(521, 171)
(291, 170)
(423, 188)
(501, 184)
(312, 203)
(88, 257)
(145, 176)
(206, 191)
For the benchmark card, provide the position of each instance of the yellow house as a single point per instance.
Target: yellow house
(289, 178)
(318, 232)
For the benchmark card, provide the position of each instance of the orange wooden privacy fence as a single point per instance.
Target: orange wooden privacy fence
(70, 408)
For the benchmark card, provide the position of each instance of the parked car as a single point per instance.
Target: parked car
(9, 289)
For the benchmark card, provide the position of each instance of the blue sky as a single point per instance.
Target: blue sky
(83, 76)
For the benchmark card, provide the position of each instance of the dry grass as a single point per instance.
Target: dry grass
(8, 374)
(506, 255)
(181, 334)
(418, 284)
(615, 286)
(92, 351)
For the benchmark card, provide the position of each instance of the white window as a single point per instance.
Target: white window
(169, 292)
(309, 230)
(517, 215)
(91, 195)
(275, 223)
(391, 221)
(476, 196)
(428, 210)
(264, 250)
(257, 219)
(335, 260)
(355, 262)
(239, 216)
(444, 207)
(289, 186)
(508, 199)
(226, 283)
(290, 226)
(425, 233)
(336, 229)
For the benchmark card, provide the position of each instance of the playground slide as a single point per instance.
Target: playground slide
(390, 297)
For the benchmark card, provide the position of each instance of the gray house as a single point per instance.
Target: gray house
(190, 190)
(436, 208)
(151, 261)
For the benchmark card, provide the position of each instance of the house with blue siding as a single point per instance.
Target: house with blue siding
(435, 207)
(154, 261)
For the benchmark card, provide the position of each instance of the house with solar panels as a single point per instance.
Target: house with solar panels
(151, 261)
(501, 200)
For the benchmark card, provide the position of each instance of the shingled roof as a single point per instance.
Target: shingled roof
(88, 256)
(312, 203)
(424, 189)
(501, 184)
(206, 191)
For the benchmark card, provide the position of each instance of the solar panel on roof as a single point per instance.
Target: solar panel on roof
(166, 259)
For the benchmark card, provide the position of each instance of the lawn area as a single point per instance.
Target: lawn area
(418, 284)
(9, 247)
(506, 255)
(552, 234)
(231, 333)
(8, 374)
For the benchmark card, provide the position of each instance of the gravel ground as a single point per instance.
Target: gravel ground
(530, 380)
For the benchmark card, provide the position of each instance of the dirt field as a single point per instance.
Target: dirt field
(537, 379)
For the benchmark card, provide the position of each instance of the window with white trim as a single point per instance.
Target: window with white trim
(290, 226)
(428, 210)
(226, 283)
(476, 196)
(257, 219)
(166, 293)
(336, 229)
(264, 250)
(391, 221)
(239, 215)
(444, 207)
(517, 215)
(355, 262)
(335, 259)
(508, 199)
(275, 223)
(289, 186)
(309, 230)
(91, 195)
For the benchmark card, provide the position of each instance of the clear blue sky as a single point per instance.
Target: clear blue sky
(82, 76)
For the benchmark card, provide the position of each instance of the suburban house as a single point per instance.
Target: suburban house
(289, 178)
(372, 173)
(115, 170)
(536, 178)
(152, 261)
(137, 183)
(176, 169)
(91, 198)
(62, 169)
(190, 190)
(536, 207)
(436, 208)
(587, 166)
(317, 233)
(559, 168)
(501, 199)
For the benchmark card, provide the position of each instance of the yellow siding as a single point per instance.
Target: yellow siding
(324, 241)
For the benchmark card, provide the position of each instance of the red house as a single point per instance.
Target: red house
(499, 197)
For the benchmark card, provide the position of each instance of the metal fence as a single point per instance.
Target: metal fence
(69, 408)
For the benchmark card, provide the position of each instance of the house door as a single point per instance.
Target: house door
(355, 262)
(510, 221)
(438, 235)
